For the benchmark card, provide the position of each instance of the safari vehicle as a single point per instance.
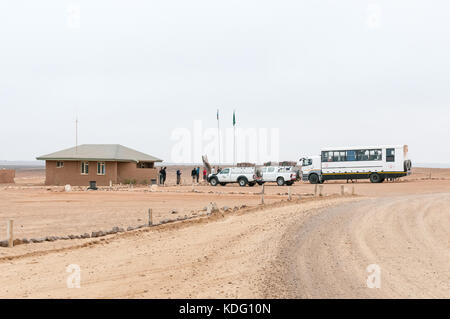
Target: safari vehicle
(282, 175)
(376, 163)
(241, 175)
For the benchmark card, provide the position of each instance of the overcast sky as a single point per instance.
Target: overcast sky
(326, 73)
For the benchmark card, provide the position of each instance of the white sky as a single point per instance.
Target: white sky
(326, 73)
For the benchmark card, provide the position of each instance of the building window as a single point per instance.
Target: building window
(59, 164)
(101, 168)
(84, 168)
(145, 165)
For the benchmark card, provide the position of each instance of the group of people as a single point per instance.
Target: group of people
(195, 174)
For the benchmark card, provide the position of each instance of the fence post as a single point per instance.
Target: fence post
(320, 190)
(315, 190)
(262, 194)
(342, 190)
(150, 217)
(10, 232)
(353, 190)
(289, 193)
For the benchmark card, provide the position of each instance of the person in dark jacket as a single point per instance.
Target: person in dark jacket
(161, 175)
(164, 175)
(197, 173)
(178, 176)
(193, 174)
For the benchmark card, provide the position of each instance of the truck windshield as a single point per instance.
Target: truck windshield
(307, 162)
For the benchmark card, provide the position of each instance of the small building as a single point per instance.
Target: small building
(103, 163)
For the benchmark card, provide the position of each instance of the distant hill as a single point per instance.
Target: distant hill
(20, 165)
(432, 165)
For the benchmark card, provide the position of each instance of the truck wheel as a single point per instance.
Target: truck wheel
(242, 181)
(214, 181)
(251, 184)
(314, 179)
(223, 184)
(289, 183)
(280, 181)
(375, 178)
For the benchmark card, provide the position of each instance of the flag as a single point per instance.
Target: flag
(234, 118)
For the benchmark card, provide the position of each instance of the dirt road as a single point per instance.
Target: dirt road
(313, 249)
(408, 237)
(221, 257)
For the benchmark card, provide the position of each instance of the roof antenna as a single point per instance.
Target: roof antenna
(76, 134)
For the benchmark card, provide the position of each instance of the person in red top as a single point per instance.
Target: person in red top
(204, 174)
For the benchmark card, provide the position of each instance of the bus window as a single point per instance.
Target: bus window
(375, 155)
(342, 156)
(390, 155)
(327, 156)
(335, 156)
(378, 155)
(351, 155)
(362, 155)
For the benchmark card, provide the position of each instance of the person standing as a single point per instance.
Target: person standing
(197, 173)
(164, 175)
(178, 176)
(204, 174)
(161, 175)
(193, 173)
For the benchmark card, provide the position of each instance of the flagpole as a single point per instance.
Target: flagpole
(234, 137)
(218, 134)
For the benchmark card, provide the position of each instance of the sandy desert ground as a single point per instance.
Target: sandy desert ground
(307, 248)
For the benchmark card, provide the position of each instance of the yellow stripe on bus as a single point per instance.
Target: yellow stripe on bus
(363, 173)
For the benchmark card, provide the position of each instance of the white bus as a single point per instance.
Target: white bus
(348, 163)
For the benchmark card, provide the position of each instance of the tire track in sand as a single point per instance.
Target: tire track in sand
(407, 236)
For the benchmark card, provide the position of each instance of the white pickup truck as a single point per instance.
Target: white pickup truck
(242, 175)
(282, 175)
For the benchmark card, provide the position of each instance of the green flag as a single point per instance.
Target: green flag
(234, 118)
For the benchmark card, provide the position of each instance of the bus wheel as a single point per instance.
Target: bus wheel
(375, 178)
(314, 179)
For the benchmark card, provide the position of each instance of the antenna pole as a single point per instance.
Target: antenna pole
(76, 133)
